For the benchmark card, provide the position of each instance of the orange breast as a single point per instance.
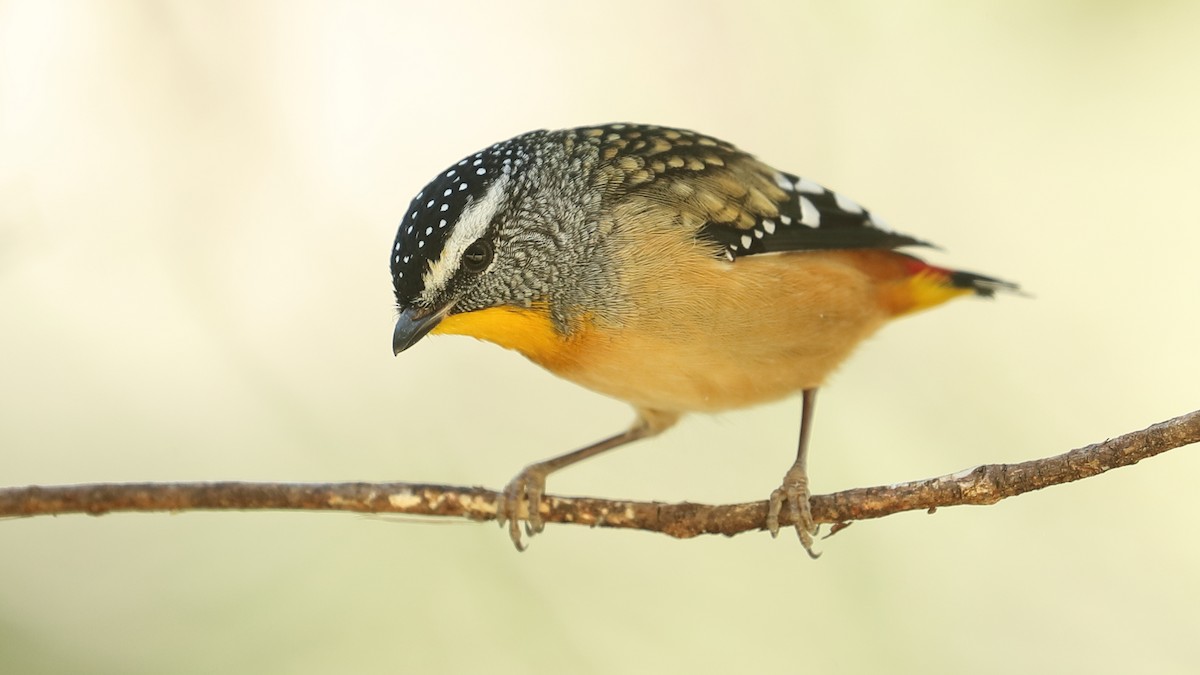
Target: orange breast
(705, 335)
(694, 333)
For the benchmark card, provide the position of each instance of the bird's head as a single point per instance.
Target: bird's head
(481, 246)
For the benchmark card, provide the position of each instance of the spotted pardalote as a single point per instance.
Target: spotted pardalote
(661, 267)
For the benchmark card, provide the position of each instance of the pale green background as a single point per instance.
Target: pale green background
(196, 205)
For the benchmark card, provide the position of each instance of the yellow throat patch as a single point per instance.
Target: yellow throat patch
(529, 331)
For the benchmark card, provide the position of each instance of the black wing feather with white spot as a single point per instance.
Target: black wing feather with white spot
(810, 217)
(746, 207)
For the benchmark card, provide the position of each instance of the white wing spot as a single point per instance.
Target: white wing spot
(783, 182)
(806, 185)
(846, 204)
(480, 171)
(809, 215)
(785, 219)
(758, 234)
(746, 241)
(769, 226)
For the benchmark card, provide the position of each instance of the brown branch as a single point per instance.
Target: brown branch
(982, 485)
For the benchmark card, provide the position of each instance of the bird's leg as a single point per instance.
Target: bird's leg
(794, 489)
(528, 487)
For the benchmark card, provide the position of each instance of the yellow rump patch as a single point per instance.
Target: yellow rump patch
(925, 289)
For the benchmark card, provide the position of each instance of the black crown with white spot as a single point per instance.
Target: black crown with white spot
(435, 210)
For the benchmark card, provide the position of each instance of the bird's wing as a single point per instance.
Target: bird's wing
(731, 199)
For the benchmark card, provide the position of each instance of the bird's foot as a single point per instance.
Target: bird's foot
(794, 492)
(521, 502)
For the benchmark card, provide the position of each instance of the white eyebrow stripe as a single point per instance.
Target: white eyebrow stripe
(471, 225)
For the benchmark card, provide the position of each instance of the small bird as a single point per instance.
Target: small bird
(661, 267)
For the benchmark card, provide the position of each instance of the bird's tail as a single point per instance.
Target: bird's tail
(979, 284)
(929, 286)
(907, 284)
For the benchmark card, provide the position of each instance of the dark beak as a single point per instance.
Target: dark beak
(412, 326)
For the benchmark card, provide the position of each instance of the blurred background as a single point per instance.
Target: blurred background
(197, 201)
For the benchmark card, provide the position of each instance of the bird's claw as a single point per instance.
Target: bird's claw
(520, 503)
(794, 491)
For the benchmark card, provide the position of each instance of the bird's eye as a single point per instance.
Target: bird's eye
(477, 257)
